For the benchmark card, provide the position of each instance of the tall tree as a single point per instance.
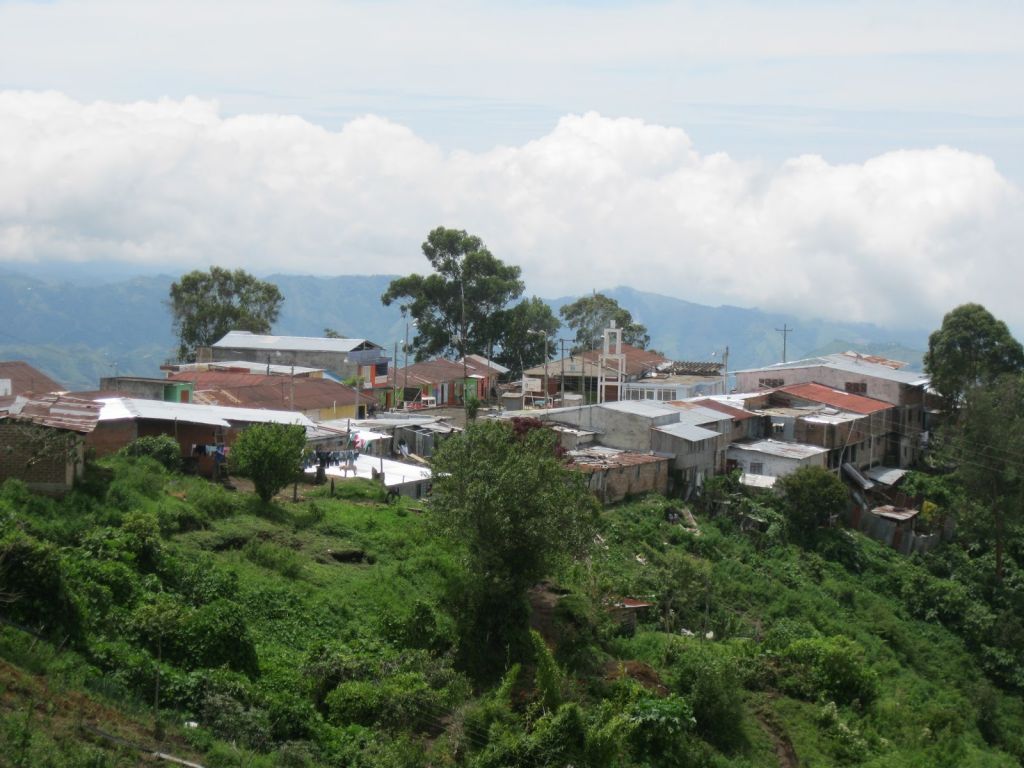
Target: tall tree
(501, 492)
(972, 347)
(206, 305)
(527, 334)
(988, 440)
(590, 315)
(455, 307)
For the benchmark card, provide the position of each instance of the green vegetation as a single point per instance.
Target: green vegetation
(588, 316)
(206, 305)
(328, 631)
(270, 455)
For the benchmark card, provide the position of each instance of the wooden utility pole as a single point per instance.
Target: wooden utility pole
(785, 330)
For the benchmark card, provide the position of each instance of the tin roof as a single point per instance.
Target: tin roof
(247, 340)
(74, 414)
(430, 372)
(597, 457)
(780, 449)
(115, 409)
(26, 379)
(647, 408)
(732, 412)
(850, 363)
(689, 432)
(844, 401)
(257, 390)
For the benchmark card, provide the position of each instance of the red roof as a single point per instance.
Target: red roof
(257, 390)
(737, 413)
(637, 360)
(50, 410)
(432, 372)
(25, 379)
(846, 401)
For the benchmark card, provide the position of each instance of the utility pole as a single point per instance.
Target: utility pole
(785, 330)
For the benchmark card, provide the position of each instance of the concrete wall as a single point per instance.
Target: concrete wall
(625, 431)
(881, 389)
(336, 362)
(616, 483)
(775, 466)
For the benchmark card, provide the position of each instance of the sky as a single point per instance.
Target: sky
(848, 160)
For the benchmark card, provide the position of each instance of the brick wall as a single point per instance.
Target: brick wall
(39, 456)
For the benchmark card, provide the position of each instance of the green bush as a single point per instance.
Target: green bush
(707, 676)
(33, 576)
(828, 668)
(404, 699)
(163, 449)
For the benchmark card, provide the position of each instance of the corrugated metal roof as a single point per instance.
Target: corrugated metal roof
(778, 448)
(845, 401)
(692, 413)
(435, 371)
(26, 379)
(257, 390)
(850, 364)
(641, 408)
(115, 409)
(247, 340)
(689, 432)
(734, 413)
(74, 414)
(596, 457)
(886, 475)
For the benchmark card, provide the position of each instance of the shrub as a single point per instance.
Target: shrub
(400, 700)
(32, 574)
(270, 455)
(216, 634)
(707, 676)
(161, 448)
(830, 668)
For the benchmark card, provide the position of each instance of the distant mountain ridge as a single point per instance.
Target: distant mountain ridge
(78, 332)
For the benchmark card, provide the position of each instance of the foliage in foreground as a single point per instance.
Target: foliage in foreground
(321, 633)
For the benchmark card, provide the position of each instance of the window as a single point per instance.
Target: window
(756, 468)
(778, 427)
(857, 387)
(769, 383)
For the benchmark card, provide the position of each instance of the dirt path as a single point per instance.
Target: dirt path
(783, 746)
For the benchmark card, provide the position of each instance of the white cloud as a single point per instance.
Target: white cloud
(597, 202)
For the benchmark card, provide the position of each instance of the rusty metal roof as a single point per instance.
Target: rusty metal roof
(837, 398)
(74, 414)
(25, 379)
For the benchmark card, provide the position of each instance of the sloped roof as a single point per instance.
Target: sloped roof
(690, 432)
(837, 398)
(256, 390)
(647, 408)
(74, 414)
(735, 413)
(247, 340)
(778, 448)
(26, 379)
(118, 408)
(431, 372)
(850, 363)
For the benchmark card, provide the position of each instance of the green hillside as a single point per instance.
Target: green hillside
(320, 632)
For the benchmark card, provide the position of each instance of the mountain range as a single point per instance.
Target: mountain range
(78, 331)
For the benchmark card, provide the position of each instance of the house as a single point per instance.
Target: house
(583, 372)
(488, 373)
(42, 440)
(320, 399)
(678, 380)
(148, 388)
(697, 442)
(443, 380)
(867, 375)
(202, 431)
(19, 378)
(773, 458)
(418, 433)
(625, 425)
(615, 475)
(344, 358)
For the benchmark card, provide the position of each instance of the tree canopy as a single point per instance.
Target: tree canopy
(590, 315)
(972, 347)
(206, 305)
(503, 494)
(810, 496)
(270, 455)
(457, 307)
(528, 334)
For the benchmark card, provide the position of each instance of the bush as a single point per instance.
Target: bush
(161, 448)
(270, 455)
(401, 700)
(707, 676)
(32, 575)
(829, 668)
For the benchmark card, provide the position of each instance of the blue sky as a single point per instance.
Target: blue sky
(906, 118)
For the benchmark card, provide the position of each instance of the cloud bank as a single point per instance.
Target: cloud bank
(597, 202)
